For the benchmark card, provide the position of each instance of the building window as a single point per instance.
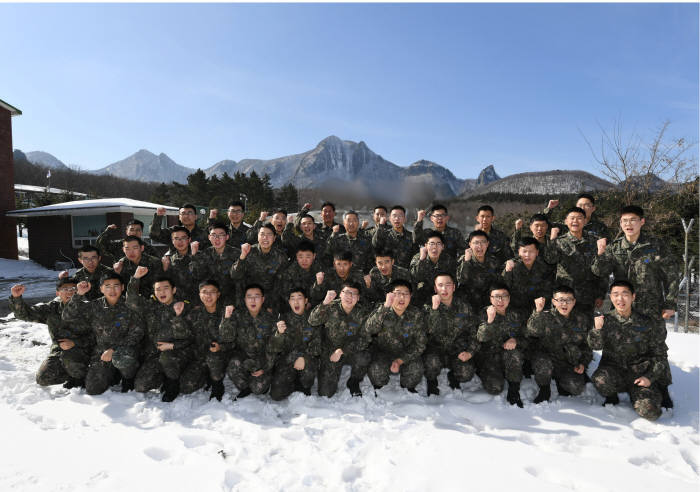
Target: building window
(86, 228)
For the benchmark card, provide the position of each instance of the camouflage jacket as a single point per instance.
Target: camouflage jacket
(181, 273)
(114, 326)
(291, 239)
(252, 238)
(452, 329)
(209, 264)
(518, 235)
(250, 335)
(371, 230)
(203, 325)
(162, 234)
(295, 276)
(340, 330)
(112, 248)
(94, 278)
(492, 336)
(331, 281)
(646, 264)
(499, 245)
(402, 337)
(236, 236)
(593, 226)
(423, 275)
(300, 339)
(380, 283)
(474, 279)
(155, 268)
(454, 240)
(632, 344)
(565, 340)
(527, 285)
(400, 243)
(360, 247)
(261, 268)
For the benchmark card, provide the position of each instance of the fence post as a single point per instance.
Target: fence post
(687, 265)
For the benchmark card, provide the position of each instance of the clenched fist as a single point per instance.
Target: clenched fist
(539, 304)
(281, 327)
(245, 249)
(510, 264)
(178, 307)
(141, 271)
(17, 290)
(601, 243)
(598, 322)
(330, 295)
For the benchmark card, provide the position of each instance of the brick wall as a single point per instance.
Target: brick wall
(8, 226)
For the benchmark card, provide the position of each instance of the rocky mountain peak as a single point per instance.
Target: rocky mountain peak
(487, 175)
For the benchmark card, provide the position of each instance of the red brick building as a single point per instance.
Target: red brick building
(8, 231)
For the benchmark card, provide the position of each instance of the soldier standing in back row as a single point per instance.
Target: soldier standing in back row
(384, 272)
(188, 218)
(453, 239)
(397, 239)
(477, 269)
(432, 258)
(112, 249)
(177, 265)
(237, 229)
(499, 244)
(216, 262)
(353, 239)
(91, 272)
(134, 257)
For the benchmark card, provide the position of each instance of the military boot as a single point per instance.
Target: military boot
(452, 381)
(513, 396)
(543, 395)
(562, 391)
(171, 389)
(433, 387)
(353, 385)
(666, 401)
(127, 384)
(242, 394)
(217, 390)
(611, 400)
(74, 383)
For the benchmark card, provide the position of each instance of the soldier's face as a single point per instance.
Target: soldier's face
(218, 238)
(265, 238)
(111, 289)
(402, 298)
(539, 229)
(349, 297)
(622, 299)
(307, 225)
(181, 241)
(254, 300)
(500, 298)
(133, 250)
(89, 260)
(439, 219)
(564, 303)
(305, 259)
(187, 216)
(528, 254)
(397, 218)
(327, 214)
(65, 292)
(485, 218)
(279, 220)
(235, 215)
(384, 264)
(479, 245)
(444, 287)
(575, 222)
(631, 224)
(587, 206)
(342, 267)
(164, 291)
(351, 223)
(134, 230)
(378, 214)
(297, 301)
(209, 295)
(435, 247)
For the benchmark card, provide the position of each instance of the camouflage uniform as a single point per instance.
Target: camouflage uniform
(94, 278)
(499, 245)
(518, 236)
(261, 268)
(360, 246)
(593, 226)
(295, 276)
(331, 281)
(632, 348)
(236, 235)
(60, 364)
(400, 243)
(181, 273)
(423, 275)
(162, 235)
(397, 337)
(474, 279)
(451, 330)
(111, 249)
(380, 283)
(155, 268)
(204, 327)
(326, 230)
(249, 336)
(115, 327)
(558, 344)
(493, 362)
(210, 264)
(371, 230)
(160, 327)
(300, 339)
(454, 240)
(344, 331)
(277, 245)
(290, 239)
(527, 285)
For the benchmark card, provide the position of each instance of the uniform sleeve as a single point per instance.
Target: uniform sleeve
(76, 310)
(659, 353)
(551, 253)
(595, 338)
(319, 315)
(536, 324)
(603, 265)
(240, 268)
(420, 340)
(133, 299)
(157, 232)
(199, 266)
(39, 313)
(135, 333)
(182, 331)
(488, 332)
(227, 333)
(379, 237)
(418, 233)
(669, 269)
(289, 239)
(374, 322)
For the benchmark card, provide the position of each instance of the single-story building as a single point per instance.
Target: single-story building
(25, 195)
(57, 231)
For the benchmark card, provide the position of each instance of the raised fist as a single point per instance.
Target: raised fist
(178, 307)
(552, 204)
(63, 274)
(307, 206)
(245, 249)
(510, 264)
(281, 327)
(17, 290)
(368, 281)
(117, 267)
(382, 220)
(436, 301)
(389, 299)
(336, 229)
(229, 311)
(491, 314)
(290, 219)
(263, 216)
(213, 213)
(319, 278)
(83, 287)
(423, 252)
(477, 226)
(598, 322)
(194, 247)
(330, 295)
(160, 211)
(539, 304)
(165, 260)
(518, 224)
(365, 224)
(112, 226)
(141, 271)
(420, 216)
(601, 243)
(554, 233)
(468, 254)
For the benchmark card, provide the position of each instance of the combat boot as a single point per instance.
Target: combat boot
(217, 390)
(562, 391)
(74, 383)
(410, 390)
(127, 384)
(172, 389)
(353, 385)
(452, 381)
(242, 394)
(433, 387)
(513, 396)
(666, 401)
(611, 400)
(544, 394)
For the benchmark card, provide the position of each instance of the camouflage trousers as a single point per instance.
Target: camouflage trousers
(168, 364)
(194, 376)
(239, 372)
(610, 380)
(62, 364)
(493, 367)
(545, 368)
(379, 372)
(329, 372)
(434, 360)
(285, 376)
(100, 374)
(217, 363)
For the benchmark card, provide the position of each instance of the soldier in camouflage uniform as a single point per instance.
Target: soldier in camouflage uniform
(378, 213)
(452, 238)
(634, 354)
(248, 331)
(343, 341)
(300, 273)
(503, 345)
(188, 218)
(477, 270)
(112, 248)
(295, 346)
(177, 265)
(278, 222)
(528, 277)
(432, 258)
(573, 254)
(71, 343)
(261, 263)
(237, 229)
(307, 227)
(328, 223)
(353, 239)
(167, 346)
(216, 262)
(134, 257)
(399, 339)
(593, 226)
(343, 271)
(383, 274)
(398, 238)
(92, 270)
(451, 336)
(118, 333)
(539, 227)
(646, 262)
(499, 244)
(559, 345)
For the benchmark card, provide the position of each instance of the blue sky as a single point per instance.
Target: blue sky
(462, 85)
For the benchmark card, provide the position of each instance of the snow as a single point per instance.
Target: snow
(98, 203)
(39, 281)
(66, 440)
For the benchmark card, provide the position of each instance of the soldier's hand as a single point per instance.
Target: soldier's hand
(178, 307)
(214, 347)
(539, 304)
(436, 301)
(518, 224)
(667, 313)
(229, 311)
(66, 343)
(468, 254)
(281, 327)
(553, 233)
(396, 365)
(194, 247)
(490, 314)
(423, 252)
(420, 216)
(643, 382)
(160, 211)
(299, 364)
(336, 229)
(164, 346)
(141, 271)
(290, 219)
(245, 249)
(107, 355)
(63, 274)
(112, 226)
(510, 264)
(336, 355)
(579, 369)
(330, 295)
(213, 213)
(83, 288)
(365, 224)
(257, 373)
(165, 261)
(598, 322)
(389, 299)
(263, 216)
(464, 356)
(117, 267)
(17, 290)
(382, 220)
(319, 278)
(368, 281)
(601, 243)
(509, 344)
(307, 206)
(552, 204)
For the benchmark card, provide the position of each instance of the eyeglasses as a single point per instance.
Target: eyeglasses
(402, 294)
(188, 212)
(629, 221)
(479, 243)
(218, 236)
(253, 297)
(435, 244)
(565, 300)
(67, 289)
(236, 211)
(349, 293)
(438, 216)
(501, 298)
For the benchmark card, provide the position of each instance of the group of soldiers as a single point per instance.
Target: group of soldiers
(287, 301)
